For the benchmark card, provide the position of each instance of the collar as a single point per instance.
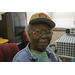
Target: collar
(32, 56)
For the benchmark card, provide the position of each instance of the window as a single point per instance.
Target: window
(63, 19)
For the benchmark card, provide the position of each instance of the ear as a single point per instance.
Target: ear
(52, 33)
(29, 35)
(51, 36)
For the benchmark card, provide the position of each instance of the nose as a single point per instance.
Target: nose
(43, 36)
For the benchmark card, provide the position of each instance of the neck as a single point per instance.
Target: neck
(40, 50)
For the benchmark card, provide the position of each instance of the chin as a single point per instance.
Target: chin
(42, 49)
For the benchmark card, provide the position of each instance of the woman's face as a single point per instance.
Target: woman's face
(40, 36)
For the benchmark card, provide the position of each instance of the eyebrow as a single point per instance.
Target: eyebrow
(40, 28)
(45, 28)
(37, 27)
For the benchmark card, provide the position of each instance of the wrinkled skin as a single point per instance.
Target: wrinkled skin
(40, 43)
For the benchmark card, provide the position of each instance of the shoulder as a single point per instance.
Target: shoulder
(54, 56)
(49, 49)
(21, 56)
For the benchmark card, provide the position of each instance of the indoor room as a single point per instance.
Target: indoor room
(13, 35)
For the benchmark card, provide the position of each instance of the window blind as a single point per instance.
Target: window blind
(63, 19)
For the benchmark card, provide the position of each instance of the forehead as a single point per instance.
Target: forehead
(42, 25)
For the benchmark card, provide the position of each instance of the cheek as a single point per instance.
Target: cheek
(50, 38)
(34, 42)
(33, 38)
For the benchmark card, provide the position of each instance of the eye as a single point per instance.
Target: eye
(38, 31)
(48, 32)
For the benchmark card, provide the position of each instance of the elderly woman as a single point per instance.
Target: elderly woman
(40, 34)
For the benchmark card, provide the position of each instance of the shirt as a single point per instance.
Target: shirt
(42, 56)
(25, 55)
(73, 59)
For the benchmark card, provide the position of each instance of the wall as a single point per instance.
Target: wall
(56, 35)
(0, 15)
(28, 15)
(64, 19)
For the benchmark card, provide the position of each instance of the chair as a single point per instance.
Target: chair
(26, 40)
(63, 58)
(8, 51)
(53, 47)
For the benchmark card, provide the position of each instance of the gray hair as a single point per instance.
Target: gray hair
(27, 30)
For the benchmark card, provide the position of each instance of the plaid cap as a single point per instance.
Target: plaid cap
(41, 17)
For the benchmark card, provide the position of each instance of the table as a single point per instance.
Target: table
(65, 45)
(3, 41)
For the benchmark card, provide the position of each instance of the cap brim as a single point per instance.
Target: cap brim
(50, 22)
